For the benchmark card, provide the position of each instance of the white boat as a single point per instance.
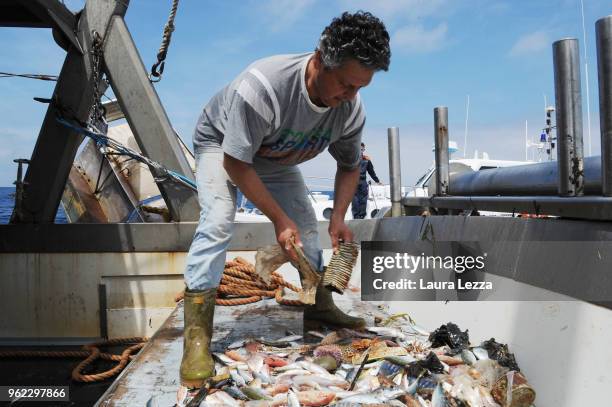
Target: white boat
(425, 184)
(379, 200)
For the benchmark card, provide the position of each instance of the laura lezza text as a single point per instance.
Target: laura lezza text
(421, 284)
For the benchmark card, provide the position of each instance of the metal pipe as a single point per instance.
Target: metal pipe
(530, 179)
(395, 173)
(584, 207)
(603, 30)
(441, 147)
(568, 100)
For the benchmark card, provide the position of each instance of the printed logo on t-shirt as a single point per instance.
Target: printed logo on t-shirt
(294, 147)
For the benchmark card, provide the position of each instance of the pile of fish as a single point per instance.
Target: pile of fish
(394, 364)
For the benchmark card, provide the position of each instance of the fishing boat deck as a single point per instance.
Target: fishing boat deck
(153, 374)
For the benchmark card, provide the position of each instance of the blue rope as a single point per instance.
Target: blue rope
(132, 216)
(102, 140)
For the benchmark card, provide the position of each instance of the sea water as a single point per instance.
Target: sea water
(7, 202)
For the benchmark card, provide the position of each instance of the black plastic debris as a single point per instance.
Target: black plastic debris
(500, 352)
(431, 364)
(450, 335)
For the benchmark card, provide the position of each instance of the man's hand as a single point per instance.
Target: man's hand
(245, 177)
(286, 231)
(338, 230)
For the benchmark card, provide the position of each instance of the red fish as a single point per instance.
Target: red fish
(315, 397)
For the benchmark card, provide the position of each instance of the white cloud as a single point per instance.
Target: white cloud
(282, 14)
(417, 39)
(530, 43)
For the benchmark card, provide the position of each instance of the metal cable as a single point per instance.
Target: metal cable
(41, 77)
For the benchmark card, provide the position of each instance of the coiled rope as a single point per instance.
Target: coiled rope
(240, 285)
(91, 353)
(158, 68)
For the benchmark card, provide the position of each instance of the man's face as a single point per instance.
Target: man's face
(341, 84)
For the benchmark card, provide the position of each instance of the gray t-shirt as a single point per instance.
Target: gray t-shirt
(266, 112)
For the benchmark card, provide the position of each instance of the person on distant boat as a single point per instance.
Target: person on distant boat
(280, 111)
(360, 200)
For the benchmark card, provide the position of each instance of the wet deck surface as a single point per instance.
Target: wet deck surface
(155, 371)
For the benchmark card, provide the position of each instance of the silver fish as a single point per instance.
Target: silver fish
(480, 353)
(263, 376)
(226, 360)
(387, 331)
(246, 375)
(468, 357)
(255, 362)
(237, 344)
(401, 360)
(341, 373)
(235, 392)
(282, 342)
(322, 380)
(410, 388)
(313, 367)
(362, 398)
(389, 394)
(292, 400)
(237, 378)
(256, 403)
(290, 373)
(290, 366)
(255, 393)
(316, 334)
(437, 398)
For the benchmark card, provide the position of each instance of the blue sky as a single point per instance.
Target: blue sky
(499, 52)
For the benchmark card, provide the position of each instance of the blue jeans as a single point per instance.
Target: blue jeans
(217, 198)
(360, 201)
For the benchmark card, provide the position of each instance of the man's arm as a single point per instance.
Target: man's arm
(344, 190)
(249, 183)
(370, 168)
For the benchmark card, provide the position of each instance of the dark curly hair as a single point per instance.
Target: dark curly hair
(360, 36)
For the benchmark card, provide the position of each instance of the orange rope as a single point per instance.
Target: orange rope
(91, 353)
(236, 290)
(240, 285)
(238, 301)
(95, 354)
(278, 296)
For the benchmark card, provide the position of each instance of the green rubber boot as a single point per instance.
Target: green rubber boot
(325, 313)
(197, 364)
